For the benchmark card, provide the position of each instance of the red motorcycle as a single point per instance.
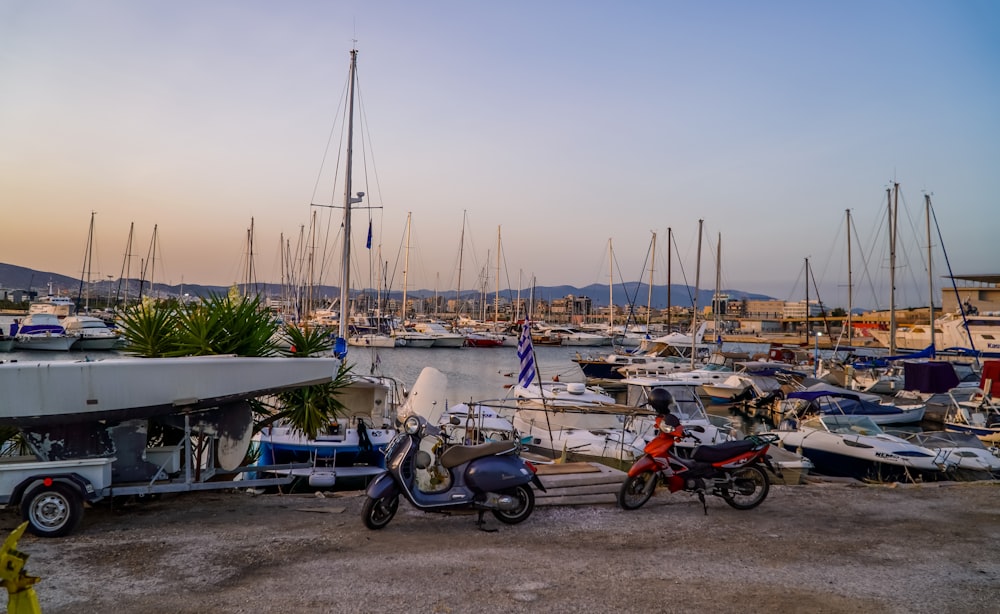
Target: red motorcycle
(733, 470)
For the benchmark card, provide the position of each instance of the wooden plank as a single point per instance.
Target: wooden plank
(564, 468)
(592, 489)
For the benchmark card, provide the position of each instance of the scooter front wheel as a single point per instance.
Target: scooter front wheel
(525, 505)
(379, 511)
(636, 490)
(749, 488)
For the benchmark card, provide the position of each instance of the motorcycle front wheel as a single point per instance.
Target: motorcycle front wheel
(379, 511)
(749, 488)
(525, 505)
(636, 490)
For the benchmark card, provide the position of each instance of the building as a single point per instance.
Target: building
(797, 310)
(765, 310)
(981, 293)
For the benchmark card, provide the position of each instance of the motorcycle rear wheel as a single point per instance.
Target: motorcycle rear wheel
(636, 490)
(379, 511)
(749, 489)
(526, 504)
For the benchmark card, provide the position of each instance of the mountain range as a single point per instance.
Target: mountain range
(14, 277)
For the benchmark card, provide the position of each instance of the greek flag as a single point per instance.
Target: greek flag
(527, 355)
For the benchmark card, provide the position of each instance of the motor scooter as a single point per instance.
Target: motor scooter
(435, 477)
(732, 470)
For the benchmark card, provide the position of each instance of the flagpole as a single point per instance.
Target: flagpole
(529, 371)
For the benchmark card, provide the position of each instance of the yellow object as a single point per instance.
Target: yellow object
(21, 597)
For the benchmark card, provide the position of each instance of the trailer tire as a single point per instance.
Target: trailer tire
(52, 511)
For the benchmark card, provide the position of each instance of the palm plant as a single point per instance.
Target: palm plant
(307, 410)
(242, 326)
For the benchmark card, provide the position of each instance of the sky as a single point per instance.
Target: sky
(567, 131)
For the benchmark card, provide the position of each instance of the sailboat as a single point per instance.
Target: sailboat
(352, 445)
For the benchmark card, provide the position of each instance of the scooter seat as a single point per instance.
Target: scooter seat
(456, 455)
(721, 451)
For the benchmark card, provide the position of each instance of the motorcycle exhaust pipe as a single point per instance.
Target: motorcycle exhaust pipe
(504, 503)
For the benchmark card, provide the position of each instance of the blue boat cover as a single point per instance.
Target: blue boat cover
(843, 403)
(932, 377)
(883, 361)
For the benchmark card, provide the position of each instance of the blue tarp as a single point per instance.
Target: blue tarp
(932, 377)
(883, 361)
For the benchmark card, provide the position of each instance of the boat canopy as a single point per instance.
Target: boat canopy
(929, 377)
(883, 361)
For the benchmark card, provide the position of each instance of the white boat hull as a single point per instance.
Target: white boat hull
(38, 393)
(48, 343)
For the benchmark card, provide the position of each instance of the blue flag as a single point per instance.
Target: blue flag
(527, 355)
(368, 244)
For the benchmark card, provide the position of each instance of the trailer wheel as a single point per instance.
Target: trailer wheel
(52, 511)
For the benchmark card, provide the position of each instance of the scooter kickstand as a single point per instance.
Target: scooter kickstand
(482, 523)
(704, 506)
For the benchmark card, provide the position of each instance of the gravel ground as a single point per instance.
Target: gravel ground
(811, 548)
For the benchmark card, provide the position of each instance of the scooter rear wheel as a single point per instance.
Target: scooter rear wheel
(749, 489)
(636, 490)
(526, 504)
(379, 511)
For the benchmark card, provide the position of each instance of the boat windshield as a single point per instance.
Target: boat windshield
(687, 405)
(851, 425)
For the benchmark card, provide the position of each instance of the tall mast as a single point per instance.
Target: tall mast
(670, 236)
(461, 247)
(126, 267)
(496, 297)
(718, 288)
(611, 289)
(85, 273)
(893, 214)
(345, 280)
(807, 300)
(406, 266)
(930, 273)
(850, 286)
(649, 295)
(694, 303)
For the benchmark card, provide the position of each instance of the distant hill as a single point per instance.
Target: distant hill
(14, 277)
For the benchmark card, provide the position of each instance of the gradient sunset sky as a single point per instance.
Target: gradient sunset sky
(559, 125)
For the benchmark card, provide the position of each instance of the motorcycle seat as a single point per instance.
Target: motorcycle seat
(721, 451)
(456, 455)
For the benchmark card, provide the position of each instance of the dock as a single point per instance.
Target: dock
(578, 484)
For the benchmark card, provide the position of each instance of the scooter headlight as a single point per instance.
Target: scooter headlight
(412, 425)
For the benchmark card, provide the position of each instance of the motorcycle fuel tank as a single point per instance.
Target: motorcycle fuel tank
(494, 473)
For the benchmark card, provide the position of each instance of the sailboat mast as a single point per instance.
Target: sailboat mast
(670, 236)
(611, 289)
(126, 268)
(85, 272)
(850, 286)
(345, 279)
(717, 303)
(807, 300)
(461, 247)
(496, 297)
(649, 295)
(893, 211)
(930, 273)
(406, 266)
(694, 302)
